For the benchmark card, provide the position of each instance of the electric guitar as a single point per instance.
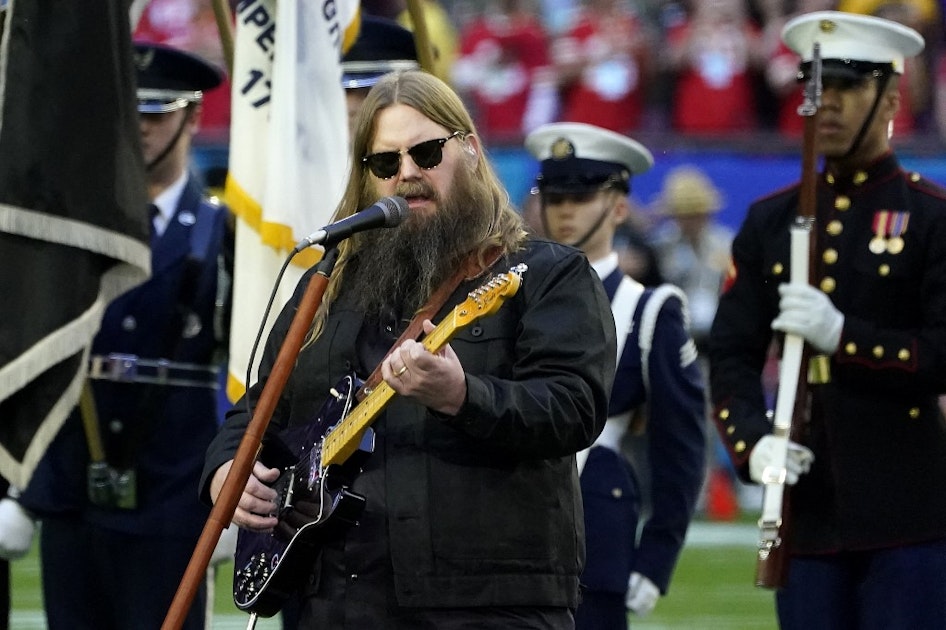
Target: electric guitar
(315, 503)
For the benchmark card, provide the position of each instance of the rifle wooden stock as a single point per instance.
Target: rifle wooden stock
(771, 569)
(773, 555)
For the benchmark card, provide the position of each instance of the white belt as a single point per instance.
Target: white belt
(610, 438)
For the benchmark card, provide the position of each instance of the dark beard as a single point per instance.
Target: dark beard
(395, 271)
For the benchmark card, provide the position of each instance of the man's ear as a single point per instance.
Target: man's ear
(471, 144)
(622, 208)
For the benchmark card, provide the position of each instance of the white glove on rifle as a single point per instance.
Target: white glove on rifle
(809, 313)
(798, 459)
(226, 546)
(16, 529)
(642, 594)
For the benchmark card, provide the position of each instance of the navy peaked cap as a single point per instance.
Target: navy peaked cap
(170, 79)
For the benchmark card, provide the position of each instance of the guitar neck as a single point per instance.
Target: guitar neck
(342, 441)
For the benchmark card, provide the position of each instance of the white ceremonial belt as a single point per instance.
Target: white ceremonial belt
(613, 432)
(129, 368)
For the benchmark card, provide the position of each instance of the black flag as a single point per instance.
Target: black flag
(73, 202)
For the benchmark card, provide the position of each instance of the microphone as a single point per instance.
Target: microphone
(386, 212)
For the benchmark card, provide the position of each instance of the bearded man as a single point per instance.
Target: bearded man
(469, 510)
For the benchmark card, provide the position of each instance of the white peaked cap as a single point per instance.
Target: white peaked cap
(849, 36)
(557, 141)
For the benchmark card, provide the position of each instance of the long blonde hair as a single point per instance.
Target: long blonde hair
(438, 102)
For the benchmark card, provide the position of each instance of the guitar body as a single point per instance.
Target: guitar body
(315, 505)
(321, 460)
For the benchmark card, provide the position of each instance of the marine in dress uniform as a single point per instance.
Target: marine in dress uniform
(868, 508)
(118, 532)
(584, 182)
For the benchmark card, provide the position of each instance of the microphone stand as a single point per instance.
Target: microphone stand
(222, 512)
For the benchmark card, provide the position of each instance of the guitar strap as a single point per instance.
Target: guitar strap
(470, 269)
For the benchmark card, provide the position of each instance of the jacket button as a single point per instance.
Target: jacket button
(914, 412)
(777, 269)
(740, 446)
(878, 351)
(129, 323)
(904, 354)
(617, 493)
(830, 256)
(851, 348)
(842, 202)
(828, 284)
(476, 331)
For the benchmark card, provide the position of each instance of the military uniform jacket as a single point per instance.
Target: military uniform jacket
(675, 454)
(482, 508)
(161, 431)
(879, 438)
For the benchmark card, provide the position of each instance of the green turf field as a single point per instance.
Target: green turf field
(712, 589)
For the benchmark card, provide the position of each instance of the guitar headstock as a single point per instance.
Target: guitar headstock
(488, 297)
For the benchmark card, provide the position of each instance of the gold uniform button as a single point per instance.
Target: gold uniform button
(884, 270)
(860, 177)
(878, 351)
(904, 354)
(842, 203)
(740, 446)
(730, 430)
(830, 256)
(617, 493)
(834, 228)
(829, 178)
(850, 347)
(724, 414)
(777, 269)
(914, 412)
(915, 177)
(828, 284)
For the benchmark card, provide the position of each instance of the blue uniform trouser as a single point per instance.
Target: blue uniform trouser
(94, 579)
(902, 588)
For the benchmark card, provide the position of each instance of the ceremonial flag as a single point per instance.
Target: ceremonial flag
(73, 204)
(288, 150)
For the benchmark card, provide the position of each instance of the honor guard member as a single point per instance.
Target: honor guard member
(117, 491)
(584, 182)
(868, 509)
(382, 46)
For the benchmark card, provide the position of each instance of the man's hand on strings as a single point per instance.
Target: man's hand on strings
(436, 380)
(258, 500)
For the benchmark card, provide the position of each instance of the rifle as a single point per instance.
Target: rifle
(792, 404)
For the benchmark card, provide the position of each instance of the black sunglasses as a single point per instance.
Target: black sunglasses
(426, 155)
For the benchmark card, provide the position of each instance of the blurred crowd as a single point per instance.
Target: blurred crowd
(706, 68)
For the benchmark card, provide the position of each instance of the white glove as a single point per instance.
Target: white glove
(642, 594)
(226, 546)
(809, 313)
(798, 459)
(16, 529)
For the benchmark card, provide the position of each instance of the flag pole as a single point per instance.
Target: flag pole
(425, 50)
(224, 20)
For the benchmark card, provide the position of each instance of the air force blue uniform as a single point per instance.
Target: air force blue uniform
(161, 431)
(657, 378)
(113, 558)
(672, 470)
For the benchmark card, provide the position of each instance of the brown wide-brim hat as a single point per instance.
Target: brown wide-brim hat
(687, 191)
